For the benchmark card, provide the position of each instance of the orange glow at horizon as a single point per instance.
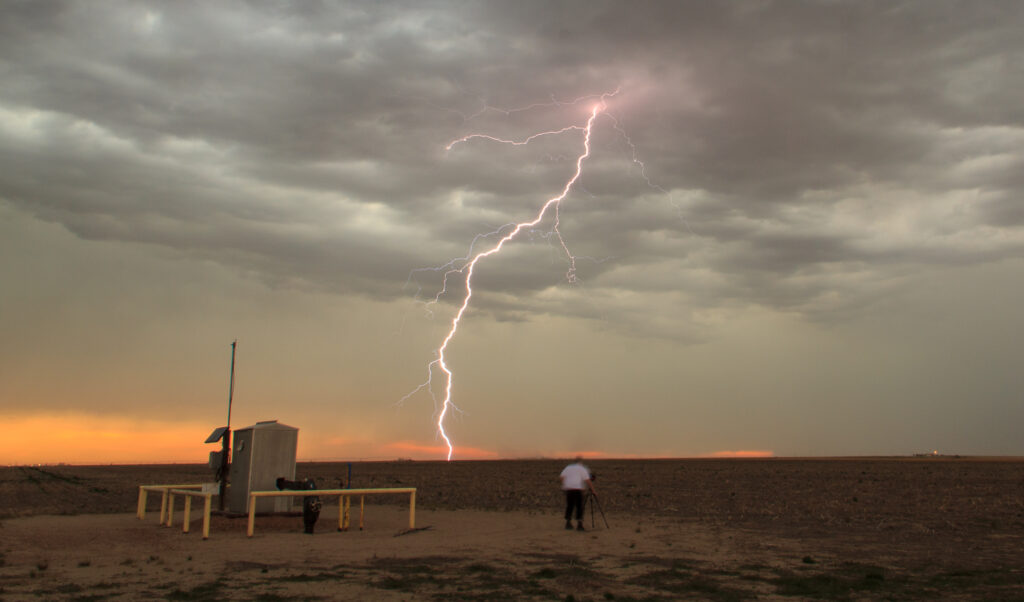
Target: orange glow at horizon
(78, 438)
(75, 438)
(432, 452)
(593, 455)
(742, 454)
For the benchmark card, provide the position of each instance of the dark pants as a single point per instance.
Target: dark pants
(574, 499)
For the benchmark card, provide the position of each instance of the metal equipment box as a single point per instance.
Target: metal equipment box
(261, 453)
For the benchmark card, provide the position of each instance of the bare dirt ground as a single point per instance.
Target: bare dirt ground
(858, 529)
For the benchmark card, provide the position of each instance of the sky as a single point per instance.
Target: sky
(799, 229)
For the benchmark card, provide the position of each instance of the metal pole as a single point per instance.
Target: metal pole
(231, 382)
(226, 441)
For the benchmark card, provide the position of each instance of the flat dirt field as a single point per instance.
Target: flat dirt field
(778, 529)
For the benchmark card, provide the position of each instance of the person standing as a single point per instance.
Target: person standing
(574, 478)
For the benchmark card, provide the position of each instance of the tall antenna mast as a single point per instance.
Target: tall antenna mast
(226, 441)
(231, 383)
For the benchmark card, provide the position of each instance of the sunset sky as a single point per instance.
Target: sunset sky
(800, 229)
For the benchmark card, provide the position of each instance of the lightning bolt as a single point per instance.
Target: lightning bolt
(507, 232)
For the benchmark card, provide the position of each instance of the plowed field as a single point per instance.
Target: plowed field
(850, 528)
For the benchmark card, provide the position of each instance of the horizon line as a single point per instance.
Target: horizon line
(553, 458)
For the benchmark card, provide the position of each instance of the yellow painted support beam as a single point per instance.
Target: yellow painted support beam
(188, 513)
(342, 494)
(140, 511)
(252, 516)
(189, 490)
(341, 514)
(330, 492)
(207, 496)
(206, 517)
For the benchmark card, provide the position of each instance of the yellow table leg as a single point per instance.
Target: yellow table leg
(252, 515)
(206, 517)
(362, 499)
(170, 509)
(348, 505)
(163, 507)
(140, 512)
(412, 510)
(188, 513)
(341, 512)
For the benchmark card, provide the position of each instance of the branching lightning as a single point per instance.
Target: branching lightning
(467, 265)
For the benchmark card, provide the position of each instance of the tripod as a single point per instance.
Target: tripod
(597, 502)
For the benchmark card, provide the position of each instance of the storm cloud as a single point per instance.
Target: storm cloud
(791, 140)
(813, 159)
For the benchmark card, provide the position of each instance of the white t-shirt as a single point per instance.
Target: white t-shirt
(574, 476)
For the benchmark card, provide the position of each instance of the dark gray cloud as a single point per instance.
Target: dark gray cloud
(799, 156)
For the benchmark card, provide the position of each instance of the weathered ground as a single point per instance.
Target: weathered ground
(921, 528)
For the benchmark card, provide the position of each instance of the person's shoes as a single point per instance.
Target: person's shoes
(579, 527)
(568, 525)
